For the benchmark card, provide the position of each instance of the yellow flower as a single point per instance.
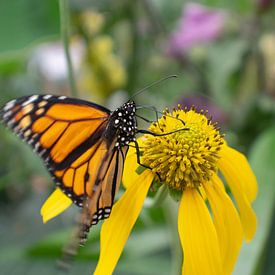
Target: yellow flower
(211, 226)
(103, 71)
(188, 162)
(92, 21)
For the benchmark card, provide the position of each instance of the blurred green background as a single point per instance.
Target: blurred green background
(223, 53)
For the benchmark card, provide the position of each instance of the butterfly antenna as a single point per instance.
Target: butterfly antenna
(153, 84)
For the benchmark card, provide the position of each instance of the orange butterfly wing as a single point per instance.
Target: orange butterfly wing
(80, 145)
(65, 132)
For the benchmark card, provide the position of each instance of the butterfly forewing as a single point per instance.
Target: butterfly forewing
(63, 131)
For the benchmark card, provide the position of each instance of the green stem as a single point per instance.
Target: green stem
(157, 199)
(135, 60)
(65, 33)
(200, 78)
(170, 210)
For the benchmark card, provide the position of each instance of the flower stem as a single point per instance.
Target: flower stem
(170, 210)
(134, 64)
(158, 198)
(65, 33)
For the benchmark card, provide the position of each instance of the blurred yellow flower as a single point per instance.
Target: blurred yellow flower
(188, 162)
(267, 46)
(102, 70)
(92, 21)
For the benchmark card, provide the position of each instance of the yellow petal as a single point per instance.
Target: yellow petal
(198, 236)
(130, 166)
(116, 229)
(54, 205)
(242, 171)
(226, 221)
(247, 215)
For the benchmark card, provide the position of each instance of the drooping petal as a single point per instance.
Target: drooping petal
(198, 236)
(116, 229)
(54, 205)
(130, 166)
(226, 221)
(247, 215)
(241, 170)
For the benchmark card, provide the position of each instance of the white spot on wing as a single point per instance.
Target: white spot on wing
(9, 105)
(7, 114)
(37, 145)
(30, 100)
(30, 141)
(27, 133)
(42, 152)
(47, 96)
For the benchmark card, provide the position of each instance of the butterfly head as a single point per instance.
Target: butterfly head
(124, 120)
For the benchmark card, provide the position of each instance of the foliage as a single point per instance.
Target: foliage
(232, 74)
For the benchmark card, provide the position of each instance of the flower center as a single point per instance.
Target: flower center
(185, 158)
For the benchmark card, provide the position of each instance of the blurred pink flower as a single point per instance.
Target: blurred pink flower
(264, 5)
(198, 24)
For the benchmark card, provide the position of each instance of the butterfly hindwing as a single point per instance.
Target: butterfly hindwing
(99, 205)
(108, 184)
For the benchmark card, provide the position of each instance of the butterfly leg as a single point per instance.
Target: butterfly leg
(145, 119)
(138, 156)
(138, 159)
(151, 108)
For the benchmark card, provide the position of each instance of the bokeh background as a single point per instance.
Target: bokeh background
(223, 53)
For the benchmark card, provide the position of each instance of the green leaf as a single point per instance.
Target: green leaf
(145, 242)
(224, 59)
(263, 163)
(52, 245)
(24, 21)
(148, 265)
(242, 6)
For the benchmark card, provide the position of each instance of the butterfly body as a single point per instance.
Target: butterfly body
(123, 124)
(82, 144)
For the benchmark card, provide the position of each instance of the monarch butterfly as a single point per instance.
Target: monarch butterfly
(82, 144)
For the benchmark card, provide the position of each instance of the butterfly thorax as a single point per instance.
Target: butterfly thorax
(123, 122)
